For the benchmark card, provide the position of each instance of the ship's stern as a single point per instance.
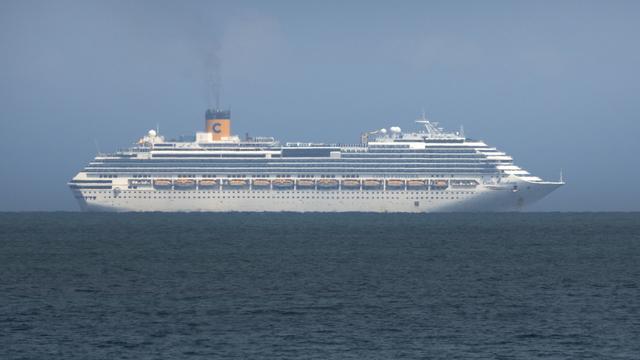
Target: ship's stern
(89, 191)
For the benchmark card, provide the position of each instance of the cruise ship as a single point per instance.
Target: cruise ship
(429, 170)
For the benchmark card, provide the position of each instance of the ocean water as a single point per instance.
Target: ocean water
(320, 286)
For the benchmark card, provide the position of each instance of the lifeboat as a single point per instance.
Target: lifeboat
(282, 183)
(184, 183)
(163, 183)
(416, 184)
(439, 184)
(237, 182)
(305, 183)
(371, 184)
(261, 183)
(207, 183)
(351, 184)
(395, 184)
(327, 183)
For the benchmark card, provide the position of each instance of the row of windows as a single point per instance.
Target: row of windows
(322, 150)
(431, 145)
(279, 175)
(323, 168)
(293, 173)
(280, 192)
(258, 188)
(184, 170)
(86, 197)
(319, 162)
(281, 197)
(349, 156)
(349, 161)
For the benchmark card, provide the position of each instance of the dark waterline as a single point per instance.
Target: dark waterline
(324, 286)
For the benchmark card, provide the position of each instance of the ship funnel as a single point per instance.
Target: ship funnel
(218, 123)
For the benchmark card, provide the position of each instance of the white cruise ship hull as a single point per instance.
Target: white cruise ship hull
(389, 171)
(510, 196)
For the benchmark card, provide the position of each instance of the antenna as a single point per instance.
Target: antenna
(561, 177)
(158, 128)
(432, 127)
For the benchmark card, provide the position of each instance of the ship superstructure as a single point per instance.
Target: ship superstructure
(389, 171)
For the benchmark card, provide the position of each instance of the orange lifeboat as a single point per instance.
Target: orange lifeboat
(440, 183)
(207, 183)
(393, 183)
(237, 182)
(162, 183)
(305, 183)
(371, 184)
(282, 183)
(185, 183)
(416, 184)
(351, 184)
(261, 183)
(327, 183)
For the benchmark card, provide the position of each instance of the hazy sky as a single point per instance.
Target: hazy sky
(554, 84)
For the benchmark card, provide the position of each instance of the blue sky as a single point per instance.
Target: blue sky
(553, 83)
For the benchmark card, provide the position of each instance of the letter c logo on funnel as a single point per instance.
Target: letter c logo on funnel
(216, 128)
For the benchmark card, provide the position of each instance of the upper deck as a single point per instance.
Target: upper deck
(430, 152)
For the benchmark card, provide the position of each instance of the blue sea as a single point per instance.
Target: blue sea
(320, 286)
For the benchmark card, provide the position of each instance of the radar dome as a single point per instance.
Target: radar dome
(152, 133)
(384, 131)
(395, 129)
